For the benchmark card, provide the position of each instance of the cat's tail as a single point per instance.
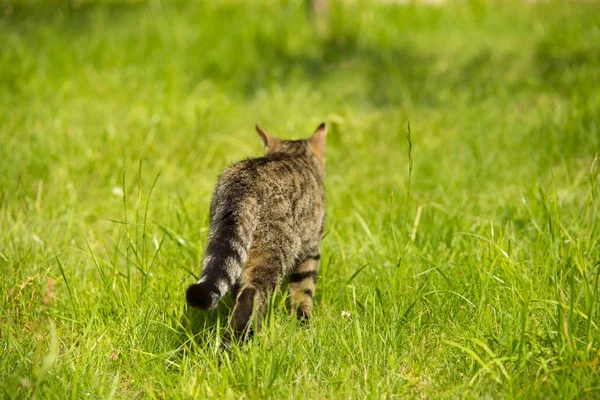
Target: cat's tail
(226, 253)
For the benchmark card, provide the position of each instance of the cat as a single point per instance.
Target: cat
(266, 223)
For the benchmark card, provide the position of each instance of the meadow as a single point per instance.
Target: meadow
(461, 256)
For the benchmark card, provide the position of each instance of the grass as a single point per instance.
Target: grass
(479, 279)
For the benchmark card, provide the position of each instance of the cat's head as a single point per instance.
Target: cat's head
(313, 145)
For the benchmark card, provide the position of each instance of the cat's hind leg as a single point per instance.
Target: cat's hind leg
(303, 282)
(262, 275)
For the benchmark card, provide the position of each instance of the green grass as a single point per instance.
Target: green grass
(481, 279)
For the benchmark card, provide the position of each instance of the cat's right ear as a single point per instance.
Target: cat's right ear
(317, 142)
(269, 142)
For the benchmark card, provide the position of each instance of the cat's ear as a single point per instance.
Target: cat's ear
(317, 142)
(269, 142)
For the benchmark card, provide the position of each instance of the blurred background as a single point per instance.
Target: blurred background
(98, 83)
(92, 82)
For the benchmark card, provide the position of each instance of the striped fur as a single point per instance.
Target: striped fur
(266, 223)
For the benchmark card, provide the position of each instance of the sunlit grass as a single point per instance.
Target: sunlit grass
(480, 279)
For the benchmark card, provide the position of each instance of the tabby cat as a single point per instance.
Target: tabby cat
(266, 224)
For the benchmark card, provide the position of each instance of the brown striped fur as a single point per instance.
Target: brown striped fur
(266, 224)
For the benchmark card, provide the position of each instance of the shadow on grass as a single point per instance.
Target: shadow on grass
(244, 49)
(202, 325)
(76, 13)
(383, 75)
(568, 55)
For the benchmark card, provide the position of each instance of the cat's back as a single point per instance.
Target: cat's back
(276, 174)
(282, 192)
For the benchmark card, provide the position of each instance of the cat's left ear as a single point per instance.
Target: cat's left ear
(317, 142)
(269, 142)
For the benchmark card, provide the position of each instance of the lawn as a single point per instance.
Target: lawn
(461, 255)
